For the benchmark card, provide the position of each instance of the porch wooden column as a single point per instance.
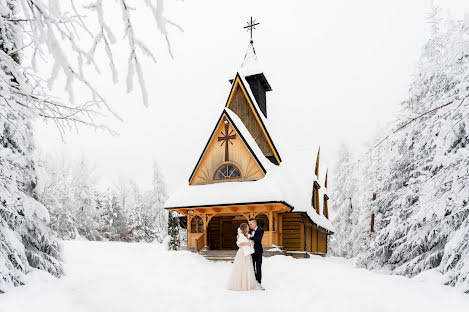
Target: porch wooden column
(271, 219)
(280, 229)
(189, 236)
(205, 229)
(207, 219)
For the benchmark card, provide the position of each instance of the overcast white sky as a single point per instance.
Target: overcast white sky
(338, 70)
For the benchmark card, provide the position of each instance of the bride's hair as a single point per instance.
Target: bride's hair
(244, 228)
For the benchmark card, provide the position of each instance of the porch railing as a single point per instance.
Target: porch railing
(200, 243)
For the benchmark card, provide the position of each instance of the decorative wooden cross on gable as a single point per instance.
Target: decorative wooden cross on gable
(226, 139)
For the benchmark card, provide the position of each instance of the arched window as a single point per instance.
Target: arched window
(197, 225)
(262, 221)
(227, 171)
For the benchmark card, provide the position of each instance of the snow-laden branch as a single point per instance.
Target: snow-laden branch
(66, 35)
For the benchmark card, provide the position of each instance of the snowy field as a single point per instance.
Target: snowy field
(145, 277)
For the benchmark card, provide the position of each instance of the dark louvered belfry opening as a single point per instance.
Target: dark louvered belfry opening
(259, 86)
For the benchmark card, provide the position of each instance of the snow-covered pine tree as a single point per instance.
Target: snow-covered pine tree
(147, 217)
(420, 173)
(369, 171)
(83, 186)
(158, 198)
(343, 191)
(173, 231)
(70, 195)
(125, 204)
(26, 240)
(430, 172)
(55, 195)
(112, 222)
(136, 212)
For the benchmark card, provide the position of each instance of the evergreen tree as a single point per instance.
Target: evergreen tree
(111, 219)
(424, 202)
(173, 231)
(158, 198)
(70, 194)
(420, 171)
(343, 192)
(26, 240)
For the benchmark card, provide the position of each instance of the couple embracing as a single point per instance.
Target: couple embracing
(246, 272)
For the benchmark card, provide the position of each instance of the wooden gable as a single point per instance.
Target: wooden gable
(215, 155)
(242, 105)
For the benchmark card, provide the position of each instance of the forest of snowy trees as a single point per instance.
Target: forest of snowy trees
(43, 43)
(80, 210)
(419, 172)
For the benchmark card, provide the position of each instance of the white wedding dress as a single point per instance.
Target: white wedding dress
(242, 274)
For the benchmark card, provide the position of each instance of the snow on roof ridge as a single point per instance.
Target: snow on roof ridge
(250, 58)
(250, 65)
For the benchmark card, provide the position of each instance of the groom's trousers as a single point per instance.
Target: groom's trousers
(257, 262)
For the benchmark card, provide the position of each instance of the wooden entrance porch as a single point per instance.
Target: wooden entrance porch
(214, 227)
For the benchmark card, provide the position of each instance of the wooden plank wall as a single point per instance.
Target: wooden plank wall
(295, 230)
(292, 232)
(322, 242)
(309, 236)
(314, 240)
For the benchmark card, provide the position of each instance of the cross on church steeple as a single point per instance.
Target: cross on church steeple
(250, 26)
(226, 139)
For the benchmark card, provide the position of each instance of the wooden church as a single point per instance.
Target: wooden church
(243, 173)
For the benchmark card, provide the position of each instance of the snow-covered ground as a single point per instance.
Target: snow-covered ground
(145, 277)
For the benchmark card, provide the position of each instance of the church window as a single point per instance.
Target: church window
(197, 225)
(227, 171)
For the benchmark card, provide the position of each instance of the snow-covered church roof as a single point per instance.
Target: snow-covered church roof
(291, 182)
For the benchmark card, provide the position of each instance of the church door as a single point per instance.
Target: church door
(227, 239)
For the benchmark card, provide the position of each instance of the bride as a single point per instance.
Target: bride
(242, 274)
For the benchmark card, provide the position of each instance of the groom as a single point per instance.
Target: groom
(256, 234)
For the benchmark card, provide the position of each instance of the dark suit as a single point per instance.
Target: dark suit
(258, 250)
